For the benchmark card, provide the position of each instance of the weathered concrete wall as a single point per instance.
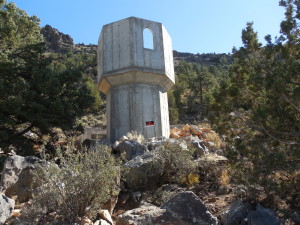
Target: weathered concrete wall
(121, 51)
(130, 107)
(136, 79)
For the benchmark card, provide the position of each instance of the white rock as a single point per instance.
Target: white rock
(123, 138)
(17, 177)
(6, 208)
(116, 144)
(104, 214)
(101, 222)
(16, 213)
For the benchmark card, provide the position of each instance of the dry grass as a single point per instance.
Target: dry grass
(215, 138)
(204, 125)
(92, 120)
(224, 178)
(191, 179)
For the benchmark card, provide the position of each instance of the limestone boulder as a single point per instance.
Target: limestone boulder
(105, 215)
(6, 208)
(101, 222)
(143, 172)
(110, 204)
(17, 178)
(163, 194)
(131, 149)
(196, 130)
(262, 216)
(129, 200)
(123, 138)
(155, 143)
(148, 214)
(116, 144)
(187, 207)
(236, 213)
(179, 143)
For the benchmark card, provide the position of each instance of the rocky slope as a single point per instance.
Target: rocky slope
(143, 197)
(56, 41)
(210, 59)
(59, 42)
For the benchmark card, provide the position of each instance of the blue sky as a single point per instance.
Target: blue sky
(196, 26)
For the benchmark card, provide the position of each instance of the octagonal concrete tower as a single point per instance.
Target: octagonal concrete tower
(135, 78)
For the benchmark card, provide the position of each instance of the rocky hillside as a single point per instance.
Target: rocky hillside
(56, 41)
(209, 59)
(59, 42)
(182, 180)
(162, 181)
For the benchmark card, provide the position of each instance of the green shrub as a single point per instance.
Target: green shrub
(78, 187)
(174, 115)
(177, 162)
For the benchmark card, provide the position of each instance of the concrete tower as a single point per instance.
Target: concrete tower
(135, 78)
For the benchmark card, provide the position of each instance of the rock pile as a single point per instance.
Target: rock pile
(17, 177)
(190, 130)
(242, 213)
(184, 208)
(142, 170)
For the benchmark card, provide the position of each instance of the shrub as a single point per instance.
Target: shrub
(191, 179)
(177, 163)
(204, 125)
(78, 187)
(224, 177)
(173, 115)
(214, 171)
(215, 138)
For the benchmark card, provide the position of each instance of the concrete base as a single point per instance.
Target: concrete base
(137, 107)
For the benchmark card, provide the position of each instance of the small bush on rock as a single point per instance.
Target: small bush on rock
(214, 169)
(78, 187)
(177, 163)
(135, 136)
(214, 138)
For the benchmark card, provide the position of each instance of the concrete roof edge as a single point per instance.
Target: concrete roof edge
(132, 17)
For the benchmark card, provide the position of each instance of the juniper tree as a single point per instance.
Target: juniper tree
(258, 106)
(34, 96)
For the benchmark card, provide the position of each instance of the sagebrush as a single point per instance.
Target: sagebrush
(177, 162)
(78, 186)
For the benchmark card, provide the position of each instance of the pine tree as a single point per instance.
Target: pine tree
(258, 106)
(34, 96)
